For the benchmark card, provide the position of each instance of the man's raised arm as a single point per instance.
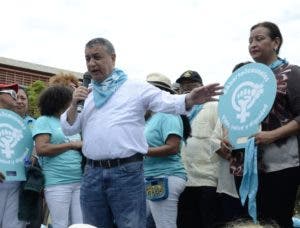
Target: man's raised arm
(203, 94)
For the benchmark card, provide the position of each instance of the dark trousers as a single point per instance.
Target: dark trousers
(39, 215)
(229, 209)
(197, 207)
(277, 195)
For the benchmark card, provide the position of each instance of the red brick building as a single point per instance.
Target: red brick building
(24, 73)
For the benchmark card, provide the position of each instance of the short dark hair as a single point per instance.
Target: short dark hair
(54, 99)
(274, 31)
(103, 42)
(239, 65)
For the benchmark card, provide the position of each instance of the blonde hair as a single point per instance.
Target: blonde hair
(64, 79)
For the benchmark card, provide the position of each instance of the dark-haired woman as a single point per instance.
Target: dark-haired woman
(22, 107)
(60, 158)
(164, 134)
(279, 138)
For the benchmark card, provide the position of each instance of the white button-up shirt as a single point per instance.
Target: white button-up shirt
(198, 155)
(116, 129)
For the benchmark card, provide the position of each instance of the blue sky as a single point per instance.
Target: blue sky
(166, 36)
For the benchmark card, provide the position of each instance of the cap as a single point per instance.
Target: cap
(190, 75)
(161, 81)
(15, 87)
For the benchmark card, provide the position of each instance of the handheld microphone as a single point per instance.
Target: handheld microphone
(86, 81)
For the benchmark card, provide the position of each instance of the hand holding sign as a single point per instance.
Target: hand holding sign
(248, 97)
(15, 144)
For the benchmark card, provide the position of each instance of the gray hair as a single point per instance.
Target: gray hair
(103, 42)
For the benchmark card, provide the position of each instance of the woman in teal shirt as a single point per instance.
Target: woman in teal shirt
(164, 133)
(60, 158)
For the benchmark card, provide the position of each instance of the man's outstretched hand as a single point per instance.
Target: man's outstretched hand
(203, 94)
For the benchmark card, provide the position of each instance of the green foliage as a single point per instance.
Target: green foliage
(33, 92)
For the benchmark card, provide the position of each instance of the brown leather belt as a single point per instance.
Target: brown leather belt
(110, 163)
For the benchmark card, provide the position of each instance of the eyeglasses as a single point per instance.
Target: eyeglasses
(11, 92)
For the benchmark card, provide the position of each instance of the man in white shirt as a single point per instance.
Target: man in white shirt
(112, 124)
(204, 157)
(197, 203)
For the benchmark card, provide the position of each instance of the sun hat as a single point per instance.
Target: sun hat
(161, 81)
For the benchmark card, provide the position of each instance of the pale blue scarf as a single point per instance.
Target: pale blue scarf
(278, 62)
(193, 113)
(249, 183)
(102, 91)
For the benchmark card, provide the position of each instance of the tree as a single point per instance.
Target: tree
(33, 92)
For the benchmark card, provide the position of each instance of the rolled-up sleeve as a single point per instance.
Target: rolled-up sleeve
(70, 129)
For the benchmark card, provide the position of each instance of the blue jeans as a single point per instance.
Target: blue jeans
(114, 195)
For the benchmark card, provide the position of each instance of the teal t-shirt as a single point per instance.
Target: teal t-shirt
(63, 168)
(157, 130)
(29, 121)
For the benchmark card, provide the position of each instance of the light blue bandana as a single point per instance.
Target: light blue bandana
(102, 91)
(296, 222)
(195, 110)
(249, 183)
(278, 62)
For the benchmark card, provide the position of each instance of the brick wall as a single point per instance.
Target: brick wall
(21, 76)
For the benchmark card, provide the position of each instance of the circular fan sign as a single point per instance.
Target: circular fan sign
(249, 94)
(15, 145)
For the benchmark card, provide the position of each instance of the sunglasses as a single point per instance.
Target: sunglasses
(11, 92)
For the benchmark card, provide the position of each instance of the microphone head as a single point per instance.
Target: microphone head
(80, 107)
(87, 77)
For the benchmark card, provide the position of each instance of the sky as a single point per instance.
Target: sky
(165, 36)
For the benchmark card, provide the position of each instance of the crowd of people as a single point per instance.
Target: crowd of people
(140, 154)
